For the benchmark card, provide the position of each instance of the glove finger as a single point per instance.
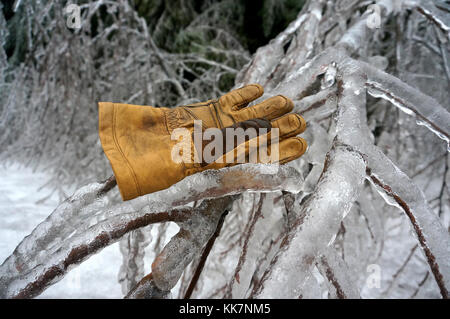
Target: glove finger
(291, 149)
(269, 109)
(287, 150)
(289, 125)
(240, 98)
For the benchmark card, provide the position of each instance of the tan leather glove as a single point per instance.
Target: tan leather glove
(138, 143)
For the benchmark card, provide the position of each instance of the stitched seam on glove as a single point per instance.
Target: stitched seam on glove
(210, 107)
(228, 115)
(237, 107)
(171, 119)
(215, 106)
(166, 120)
(121, 152)
(198, 105)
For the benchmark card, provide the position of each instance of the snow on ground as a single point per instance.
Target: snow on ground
(21, 211)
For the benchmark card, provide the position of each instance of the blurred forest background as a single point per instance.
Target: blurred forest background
(150, 52)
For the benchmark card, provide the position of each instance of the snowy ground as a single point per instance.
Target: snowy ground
(21, 210)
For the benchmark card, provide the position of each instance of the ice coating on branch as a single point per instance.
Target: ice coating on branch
(330, 76)
(320, 144)
(277, 67)
(297, 80)
(428, 111)
(263, 63)
(16, 5)
(393, 184)
(313, 287)
(188, 242)
(355, 35)
(262, 236)
(341, 180)
(337, 273)
(55, 245)
(351, 128)
(428, 9)
(54, 227)
(132, 248)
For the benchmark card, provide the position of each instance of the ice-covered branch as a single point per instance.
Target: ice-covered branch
(27, 272)
(239, 283)
(188, 242)
(27, 282)
(429, 10)
(308, 62)
(317, 106)
(391, 181)
(146, 289)
(51, 231)
(132, 247)
(426, 109)
(200, 231)
(336, 271)
(337, 189)
(206, 251)
(432, 236)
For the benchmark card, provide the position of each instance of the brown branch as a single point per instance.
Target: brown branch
(431, 259)
(109, 184)
(79, 253)
(444, 185)
(329, 273)
(430, 16)
(146, 289)
(421, 283)
(402, 267)
(204, 257)
(188, 243)
(248, 234)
